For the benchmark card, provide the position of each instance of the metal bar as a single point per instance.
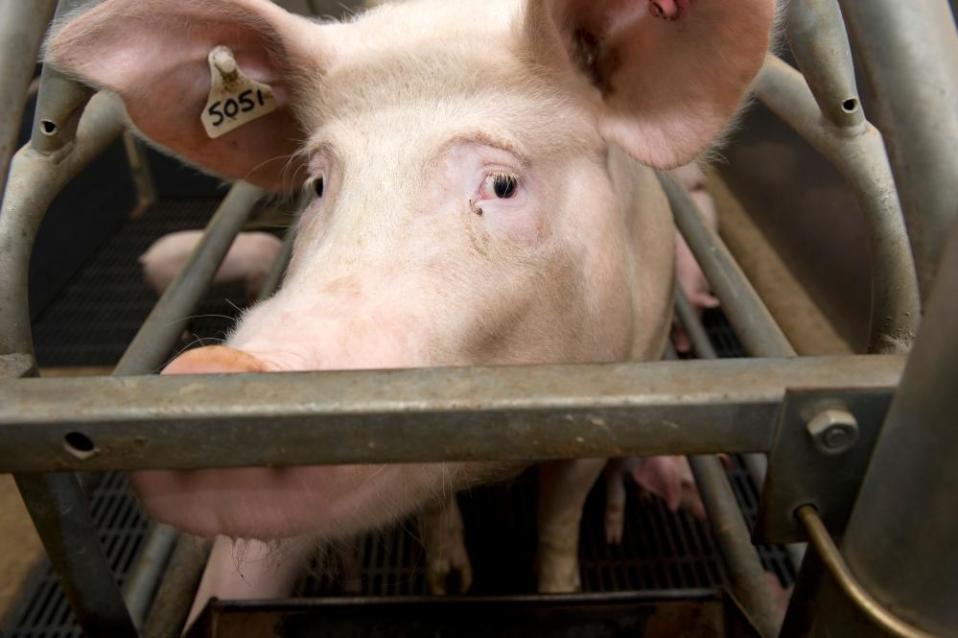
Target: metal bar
(35, 180)
(140, 171)
(748, 581)
(908, 493)
(70, 538)
(153, 343)
(858, 153)
(437, 414)
(22, 25)
(144, 577)
(60, 100)
(910, 53)
(161, 330)
(832, 560)
(175, 594)
(725, 519)
(275, 276)
(752, 321)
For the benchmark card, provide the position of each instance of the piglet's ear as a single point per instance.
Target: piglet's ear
(155, 56)
(668, 75)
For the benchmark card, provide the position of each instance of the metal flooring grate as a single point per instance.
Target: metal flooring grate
(96, 316)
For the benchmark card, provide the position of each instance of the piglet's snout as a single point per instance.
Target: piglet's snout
(213, 360)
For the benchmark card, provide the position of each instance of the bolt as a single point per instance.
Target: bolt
(833, 431)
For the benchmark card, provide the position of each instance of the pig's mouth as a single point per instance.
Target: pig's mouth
(269, 503)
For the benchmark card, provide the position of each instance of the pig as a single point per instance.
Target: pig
(248, 261)
(484, 196)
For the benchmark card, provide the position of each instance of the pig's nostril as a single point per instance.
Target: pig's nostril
(79, 445)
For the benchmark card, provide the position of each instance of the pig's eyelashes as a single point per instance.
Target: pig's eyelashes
(500, 185)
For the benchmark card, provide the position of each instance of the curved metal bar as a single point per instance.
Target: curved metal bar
(35, 180)
(832, 559)
(909, 56)
(859, 155)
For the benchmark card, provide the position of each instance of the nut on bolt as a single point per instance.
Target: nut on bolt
(834, 431)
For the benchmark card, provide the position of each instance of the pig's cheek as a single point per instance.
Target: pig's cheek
(521, 225)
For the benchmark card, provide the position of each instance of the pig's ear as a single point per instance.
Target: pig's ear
(664, 88)
(154, 55)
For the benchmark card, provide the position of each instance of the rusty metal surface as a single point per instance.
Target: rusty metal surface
(507, 413)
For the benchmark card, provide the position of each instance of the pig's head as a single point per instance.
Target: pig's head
(474, 200)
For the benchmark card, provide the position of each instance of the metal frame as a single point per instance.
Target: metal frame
(49, 427)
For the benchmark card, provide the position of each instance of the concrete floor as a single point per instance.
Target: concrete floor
(20, 547)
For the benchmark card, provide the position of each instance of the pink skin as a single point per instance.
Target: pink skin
(248, 261)
(410, 257)
(688, 273)
(666, 477)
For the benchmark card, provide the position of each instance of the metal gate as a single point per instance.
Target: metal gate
(855, 447)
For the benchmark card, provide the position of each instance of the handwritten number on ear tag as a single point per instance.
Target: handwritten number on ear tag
(234, 100)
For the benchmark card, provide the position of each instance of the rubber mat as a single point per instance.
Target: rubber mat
(97, 315)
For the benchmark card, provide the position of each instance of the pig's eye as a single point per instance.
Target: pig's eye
(319, 187)
(504, 185)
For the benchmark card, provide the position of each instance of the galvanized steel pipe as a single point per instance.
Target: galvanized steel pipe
(858, 153)
(22, 25)
(161, 330)
(419, 415)
(900, 539)
(35, 180)
(910, 57)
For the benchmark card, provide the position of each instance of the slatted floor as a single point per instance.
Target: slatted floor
(94, 319)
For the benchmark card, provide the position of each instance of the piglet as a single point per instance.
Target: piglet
(248, 261)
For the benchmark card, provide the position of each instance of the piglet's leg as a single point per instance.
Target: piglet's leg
(251, 569)
(563, 487)
(668, 9)
(446, 555)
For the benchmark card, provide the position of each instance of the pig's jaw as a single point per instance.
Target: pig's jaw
(319, 502)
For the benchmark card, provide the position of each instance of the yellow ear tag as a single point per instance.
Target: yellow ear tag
(234, 99)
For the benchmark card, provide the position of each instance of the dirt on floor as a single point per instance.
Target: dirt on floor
(20, 547)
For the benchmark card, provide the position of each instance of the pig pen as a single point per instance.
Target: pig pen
(846, 446)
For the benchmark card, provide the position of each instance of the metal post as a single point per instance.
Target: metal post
(900, 539)
(22, 25)
(748, 581)
(727, 522)
(161, 330)
(58, 508)
(752, 321)
(910, 57)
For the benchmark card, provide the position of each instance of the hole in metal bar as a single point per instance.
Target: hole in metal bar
(47, 127)
(79, 445)
(850, 105)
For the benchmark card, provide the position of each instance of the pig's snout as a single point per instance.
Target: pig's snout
(213, 360)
